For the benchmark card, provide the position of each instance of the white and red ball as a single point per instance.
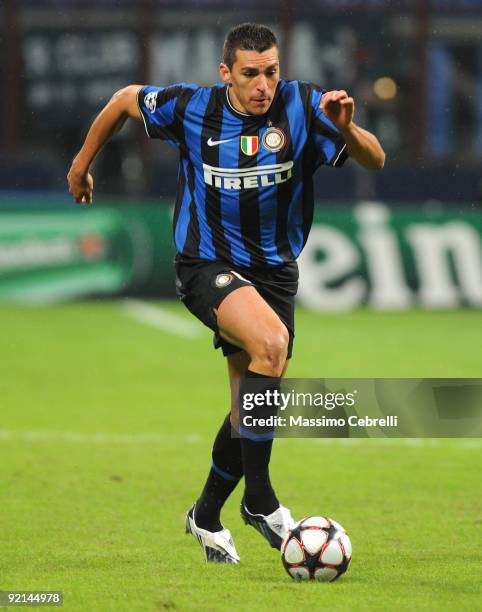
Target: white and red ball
(317, 548)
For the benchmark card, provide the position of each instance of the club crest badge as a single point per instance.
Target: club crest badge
(223, 280)
(274, 139)
(249, 145)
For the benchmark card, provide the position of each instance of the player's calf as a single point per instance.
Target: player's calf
(225, 473)
(257, 440)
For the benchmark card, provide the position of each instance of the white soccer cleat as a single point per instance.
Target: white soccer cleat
(218, 546)
(275, 527)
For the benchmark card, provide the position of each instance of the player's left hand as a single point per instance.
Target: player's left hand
(338, 107)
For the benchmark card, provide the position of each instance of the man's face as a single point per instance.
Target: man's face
(254, 78)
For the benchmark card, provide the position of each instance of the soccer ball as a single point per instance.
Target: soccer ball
(317, 548)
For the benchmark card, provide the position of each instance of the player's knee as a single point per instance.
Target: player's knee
(270, 352)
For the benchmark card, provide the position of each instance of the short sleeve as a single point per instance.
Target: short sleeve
(326, 136)
(159, 108)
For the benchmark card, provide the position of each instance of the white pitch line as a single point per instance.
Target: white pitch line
(394, 442)
(66, 436)
(195, 438)
(157, 317)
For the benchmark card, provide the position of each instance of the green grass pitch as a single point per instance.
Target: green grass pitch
(106, 427)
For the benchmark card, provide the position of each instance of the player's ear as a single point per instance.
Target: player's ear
(225, 74)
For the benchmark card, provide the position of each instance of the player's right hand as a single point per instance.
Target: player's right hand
(81, 186)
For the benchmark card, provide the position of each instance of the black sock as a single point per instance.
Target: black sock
(259, 495)
(225, 473)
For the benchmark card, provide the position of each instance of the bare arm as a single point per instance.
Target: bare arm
(110, 120)
(362, 145)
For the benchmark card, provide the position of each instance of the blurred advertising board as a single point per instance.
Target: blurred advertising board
(58, 254)
(392, 258)
(365, 254)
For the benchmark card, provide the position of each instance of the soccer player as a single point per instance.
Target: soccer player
(248, 148)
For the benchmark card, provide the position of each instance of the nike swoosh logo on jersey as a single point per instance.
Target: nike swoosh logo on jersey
(215, 143)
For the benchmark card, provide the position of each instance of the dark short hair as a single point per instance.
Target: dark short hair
(247, 36)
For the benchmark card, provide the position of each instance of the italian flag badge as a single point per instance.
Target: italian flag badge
(249, 145)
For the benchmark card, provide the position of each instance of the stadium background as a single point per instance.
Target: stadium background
(94, 404)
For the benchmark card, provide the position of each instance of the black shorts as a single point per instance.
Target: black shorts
(203, 285)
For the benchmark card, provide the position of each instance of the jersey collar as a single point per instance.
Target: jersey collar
(241, 115)
(231, 106)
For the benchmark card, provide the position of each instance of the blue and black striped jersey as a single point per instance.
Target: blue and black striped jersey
(245, 189)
